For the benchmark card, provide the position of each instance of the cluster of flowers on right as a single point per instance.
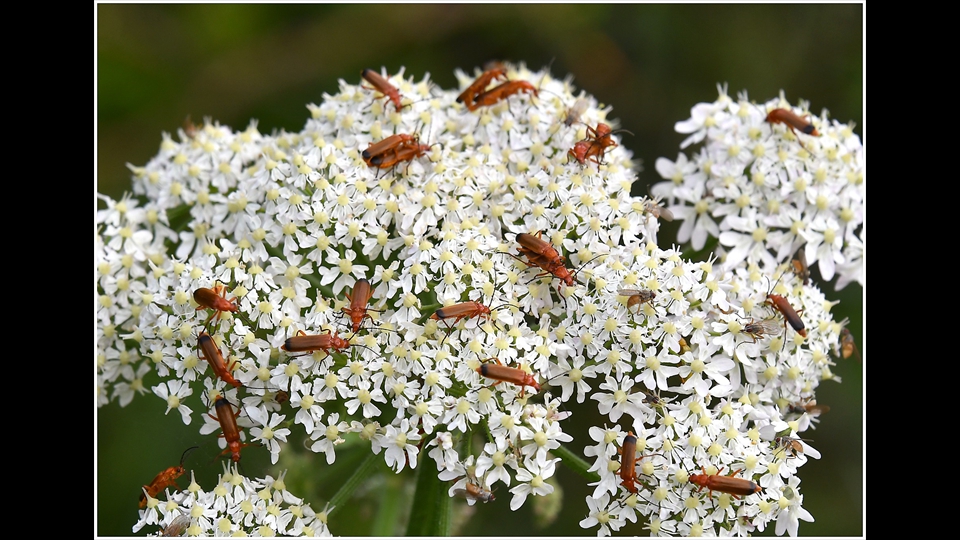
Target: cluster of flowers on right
(773, 186)
(766, 190)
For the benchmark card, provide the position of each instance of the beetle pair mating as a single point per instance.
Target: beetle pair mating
(541, 254)
(476, 95)
(592, 148)
(393, 150)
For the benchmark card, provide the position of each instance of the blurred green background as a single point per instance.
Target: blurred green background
(159, 63)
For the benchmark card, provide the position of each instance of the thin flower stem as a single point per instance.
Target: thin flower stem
(368, 466)
(575, 463)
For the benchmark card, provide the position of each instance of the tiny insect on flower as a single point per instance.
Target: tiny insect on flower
(637, 297)
(800, 267)
(475, 492)
(755, 330)
(177, 526)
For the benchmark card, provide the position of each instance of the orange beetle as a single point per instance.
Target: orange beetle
(463, 310)
(499, 93)
(542, 254)
(792, 121)
(628, 463)
(593, 148)
(166, 478)
(215, 299)
(358, 298)
(789, 314)
(392, 150)
(228, 425)
(468, 96)
(383, 86)
(725, 484)
(502, 373)
(325, 341)
(212, 354)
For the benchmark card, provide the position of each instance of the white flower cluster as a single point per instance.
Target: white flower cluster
(695, 361)
(238, 506)
(766, 189)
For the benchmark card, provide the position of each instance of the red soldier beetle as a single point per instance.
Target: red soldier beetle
(359, 297)
(468, 96)
(163, 480)
(789, 314)
(215, 299)
(738, 487)
(593, 148)
(388, 144)
(542, 254)
(502, 373)
(228, 425)
(394, 149)
(383, 86)
(582, 150)
(212, 354)
(325, 341)
(463, 310)
(458, 312)
(792, 121)
(628, 462)
(499, 93)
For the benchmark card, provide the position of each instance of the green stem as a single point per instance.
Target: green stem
(575, 463)
(431, 511)
(363, 471)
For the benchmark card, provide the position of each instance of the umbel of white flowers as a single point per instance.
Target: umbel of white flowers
(288, 229)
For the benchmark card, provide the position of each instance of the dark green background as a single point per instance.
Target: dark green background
(157, 64)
